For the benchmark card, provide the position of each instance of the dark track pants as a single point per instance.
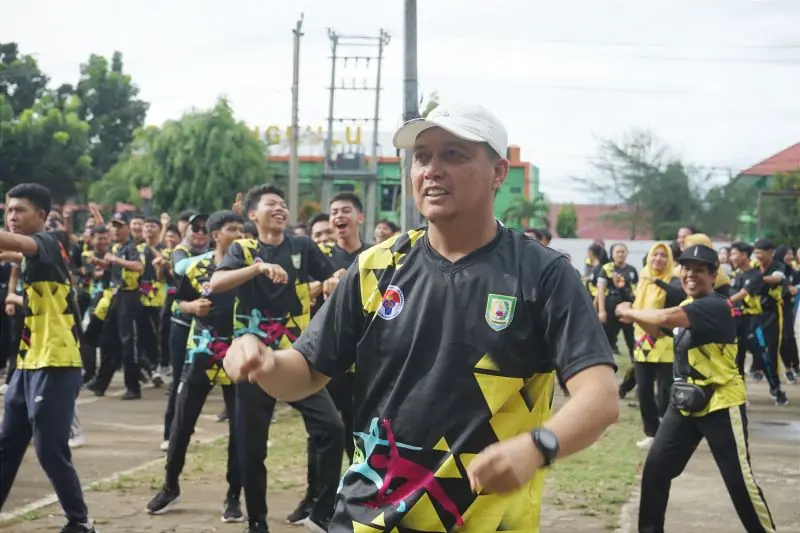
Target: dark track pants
(341, 390)
(653, 383)
(10, 340)
(191, 398)
(756, 334)
(148, 339)
(91, 341)
(676, 441)
(120, 341)
(254, 409)
(40, 404)
(164, 327)
(178, 336)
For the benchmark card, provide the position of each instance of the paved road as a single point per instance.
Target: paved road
(698, 498)
(120, 435)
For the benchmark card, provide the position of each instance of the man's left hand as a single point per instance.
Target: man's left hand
(329, 285)
(505, 466)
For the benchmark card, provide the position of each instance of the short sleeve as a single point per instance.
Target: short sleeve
(234, 258)
(48, 247)
(185, 291)
(330, 341)
(602, 274)
(320, 266)
(574, 337)
(709, 318)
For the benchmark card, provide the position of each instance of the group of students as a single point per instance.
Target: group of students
(155, 298)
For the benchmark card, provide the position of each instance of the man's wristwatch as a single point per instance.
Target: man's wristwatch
(547, 444)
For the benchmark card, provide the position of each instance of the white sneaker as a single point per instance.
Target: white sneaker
(3, 388)
(164, 446)
(645, 443)
(77, 441)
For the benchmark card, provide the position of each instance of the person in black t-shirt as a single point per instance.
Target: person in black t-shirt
(746, 292)
(98, 270)
(772, 281)
(456, 331)
(209, 339)
(272, 275)
(40, 401)
(126, 268)
(707, 398)
(789, 355)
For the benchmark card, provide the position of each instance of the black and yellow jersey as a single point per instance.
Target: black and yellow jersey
(122, 278)
(616, 294)
(591, 283)
(451, 358)
(100, 288)
(772, 295)
(153, 291)
(181, 257)
(51, 328)
(210, 336)
(277, 313)
(168, 275)
(751, 281)
(709, 345)
(78, 251)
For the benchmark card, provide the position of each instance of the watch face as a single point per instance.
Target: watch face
(548, 440)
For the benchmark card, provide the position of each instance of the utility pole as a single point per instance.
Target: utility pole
(352, 165)
(410, 217)
(294, 160)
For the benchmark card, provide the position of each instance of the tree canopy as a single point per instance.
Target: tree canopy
(68, 137)
(567, 222)
(200, 160)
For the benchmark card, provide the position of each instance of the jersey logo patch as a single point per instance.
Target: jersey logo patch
(206, 288)
(297, 260)
(500, 311)
(392, 303)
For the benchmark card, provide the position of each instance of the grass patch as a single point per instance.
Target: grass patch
(600, 479)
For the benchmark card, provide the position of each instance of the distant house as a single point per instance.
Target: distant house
(594, 222)
(760, 177)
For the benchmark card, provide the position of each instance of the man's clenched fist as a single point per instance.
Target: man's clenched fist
(248, 359)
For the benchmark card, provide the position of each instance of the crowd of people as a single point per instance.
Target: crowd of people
(406, 356)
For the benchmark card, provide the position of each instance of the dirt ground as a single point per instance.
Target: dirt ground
(124, 435)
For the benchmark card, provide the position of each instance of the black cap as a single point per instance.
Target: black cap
(701, 254)
(197, 217)
(119, 219)
(186, 214)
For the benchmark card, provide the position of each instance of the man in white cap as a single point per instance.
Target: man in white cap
(456, 331)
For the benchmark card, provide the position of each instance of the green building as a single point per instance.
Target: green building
(523, 180)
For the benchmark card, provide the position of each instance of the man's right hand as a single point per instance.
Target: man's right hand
(10, 310)
(248, 359)
(201, 307)
(276, 273)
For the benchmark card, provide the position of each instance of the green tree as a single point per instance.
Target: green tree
(110, 105)
(780, 215)
(659, 191)
(21, 81)
(567, 222)
(522, 212)
(200, 160)
(45, 144)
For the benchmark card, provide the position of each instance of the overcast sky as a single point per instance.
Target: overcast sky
(716, 79)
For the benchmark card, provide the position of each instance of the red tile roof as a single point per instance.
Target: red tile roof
(593, 224)
(785, 161)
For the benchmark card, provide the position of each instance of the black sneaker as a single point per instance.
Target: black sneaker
(130, 395)
(317, 525)
(298, 516)
(781, 399)
(232, 511)
(162, 501)
(257, 526)
(77, 527)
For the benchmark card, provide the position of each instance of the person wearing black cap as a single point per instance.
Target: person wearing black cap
(747, 289)
(209, 338)
(773, 278)
(195, 242)
(183, 220)
(707, 399)
(126, 267)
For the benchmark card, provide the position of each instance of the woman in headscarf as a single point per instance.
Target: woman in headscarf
(788, 351)
(653, 356)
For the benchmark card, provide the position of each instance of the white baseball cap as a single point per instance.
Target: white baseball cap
(469, 122)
